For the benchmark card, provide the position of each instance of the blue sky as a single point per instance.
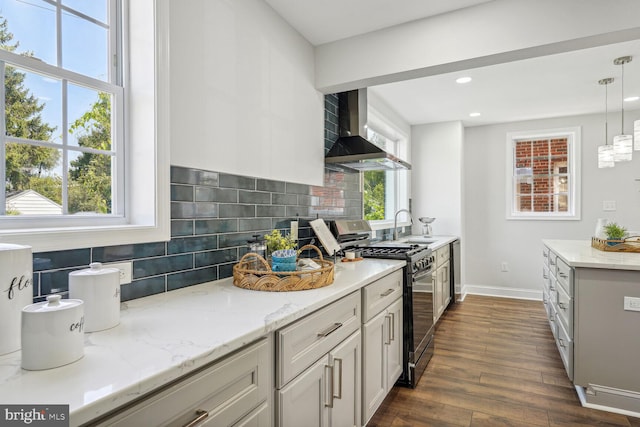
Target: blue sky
(32, 23)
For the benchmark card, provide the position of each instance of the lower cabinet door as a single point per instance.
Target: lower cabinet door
(394, 344)
(374, 359)
(345, 403)
(305, 400)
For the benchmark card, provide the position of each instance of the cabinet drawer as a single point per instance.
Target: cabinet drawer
(546, 279)
(229, 391)
(442, 255)
(300, 344)
(551, 316)
(378, 295)
(565, 276)
(564, 308)
(565, 347)
(553, 261)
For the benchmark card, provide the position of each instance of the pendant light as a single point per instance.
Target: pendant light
(623, 143)
(605, 152)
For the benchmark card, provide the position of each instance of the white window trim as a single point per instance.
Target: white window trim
(148, 169)
(574, 139)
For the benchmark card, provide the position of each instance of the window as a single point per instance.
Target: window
(384, 192)
(63, 109)
(78, 100)
(543, 175)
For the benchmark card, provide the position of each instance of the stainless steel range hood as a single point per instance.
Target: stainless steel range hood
(352, 151)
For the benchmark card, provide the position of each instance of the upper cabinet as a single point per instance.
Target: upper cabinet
(242, 93)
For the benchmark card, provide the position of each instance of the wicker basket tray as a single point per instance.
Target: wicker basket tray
(283, 281)
(630, 244)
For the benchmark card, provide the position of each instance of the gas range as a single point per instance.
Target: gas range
(419, 257)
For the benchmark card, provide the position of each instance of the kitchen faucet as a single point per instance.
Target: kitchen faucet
(395, 222)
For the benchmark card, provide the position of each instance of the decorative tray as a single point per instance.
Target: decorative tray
(630, 244)
(254, 272)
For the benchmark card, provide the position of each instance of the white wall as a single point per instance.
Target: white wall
(243, 99)
(491, 33)
(436, 176)
(490, 239)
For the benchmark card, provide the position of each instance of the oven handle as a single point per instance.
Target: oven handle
(420, 275)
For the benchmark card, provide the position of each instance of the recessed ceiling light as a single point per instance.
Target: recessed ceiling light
(474, 115)
(631, 98)
(463, 80)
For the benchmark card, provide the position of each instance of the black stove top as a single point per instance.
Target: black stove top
(403, 251)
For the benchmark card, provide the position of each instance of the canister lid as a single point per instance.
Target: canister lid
(95, 268)
(53, 303)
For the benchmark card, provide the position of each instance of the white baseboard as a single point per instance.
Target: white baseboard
(502, 292)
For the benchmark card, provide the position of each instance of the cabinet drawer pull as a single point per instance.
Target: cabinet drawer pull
(544, 254)
(551, 288)
(562, 305)
(563, 275)
(386, 293)
(561, 342)
(329, 330)
(544, 276)
(201, 415)
(339, 395)
(387, 317)
(329, 385)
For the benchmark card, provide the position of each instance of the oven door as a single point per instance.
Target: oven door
(422, 316)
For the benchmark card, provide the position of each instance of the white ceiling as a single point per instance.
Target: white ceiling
(551, 86)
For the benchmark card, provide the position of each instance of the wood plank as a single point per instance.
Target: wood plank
(495, 364)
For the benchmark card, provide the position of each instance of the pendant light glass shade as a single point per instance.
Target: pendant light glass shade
(622, 148)
(622, 144)
(636, 135)
(605, 152)
(605, 156)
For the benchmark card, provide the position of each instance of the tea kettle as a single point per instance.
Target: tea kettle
(256, 246)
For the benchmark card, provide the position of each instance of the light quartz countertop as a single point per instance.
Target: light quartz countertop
(163, 337)
(579, 253)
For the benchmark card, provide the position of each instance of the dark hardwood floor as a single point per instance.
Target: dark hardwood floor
(495, 364)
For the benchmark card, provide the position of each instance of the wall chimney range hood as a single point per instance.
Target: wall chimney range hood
(352, 151)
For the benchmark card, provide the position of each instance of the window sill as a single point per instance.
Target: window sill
(52, 239)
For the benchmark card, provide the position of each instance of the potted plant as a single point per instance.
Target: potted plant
(615, 232)
(282, 250)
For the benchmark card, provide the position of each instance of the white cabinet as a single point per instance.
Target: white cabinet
(441, 282)
(232, 392)
(558, 297)
(382, 341)
(318, 364)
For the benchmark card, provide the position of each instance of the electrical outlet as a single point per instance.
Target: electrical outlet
(125, 270)
(609, 205)
(504, 267)
(631, 304)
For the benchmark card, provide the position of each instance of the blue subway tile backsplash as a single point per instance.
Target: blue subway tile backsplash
(213, 215)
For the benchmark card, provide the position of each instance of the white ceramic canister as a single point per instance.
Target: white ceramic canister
(52, 333)
(99, 288)
(16, 271)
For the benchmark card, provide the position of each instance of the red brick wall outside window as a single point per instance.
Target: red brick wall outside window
(541, 178)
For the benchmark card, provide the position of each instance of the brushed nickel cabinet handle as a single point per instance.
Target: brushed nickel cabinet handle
(329, 388)
(387, 293)
(339, 395)
(387, 317)
(561, 342)
(201, 415)
(392, 328)
(563, 275)
(562, 305)
(329, 330)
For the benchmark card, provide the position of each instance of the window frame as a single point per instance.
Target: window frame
(573, 135)
(146, 197)
(399, 182)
